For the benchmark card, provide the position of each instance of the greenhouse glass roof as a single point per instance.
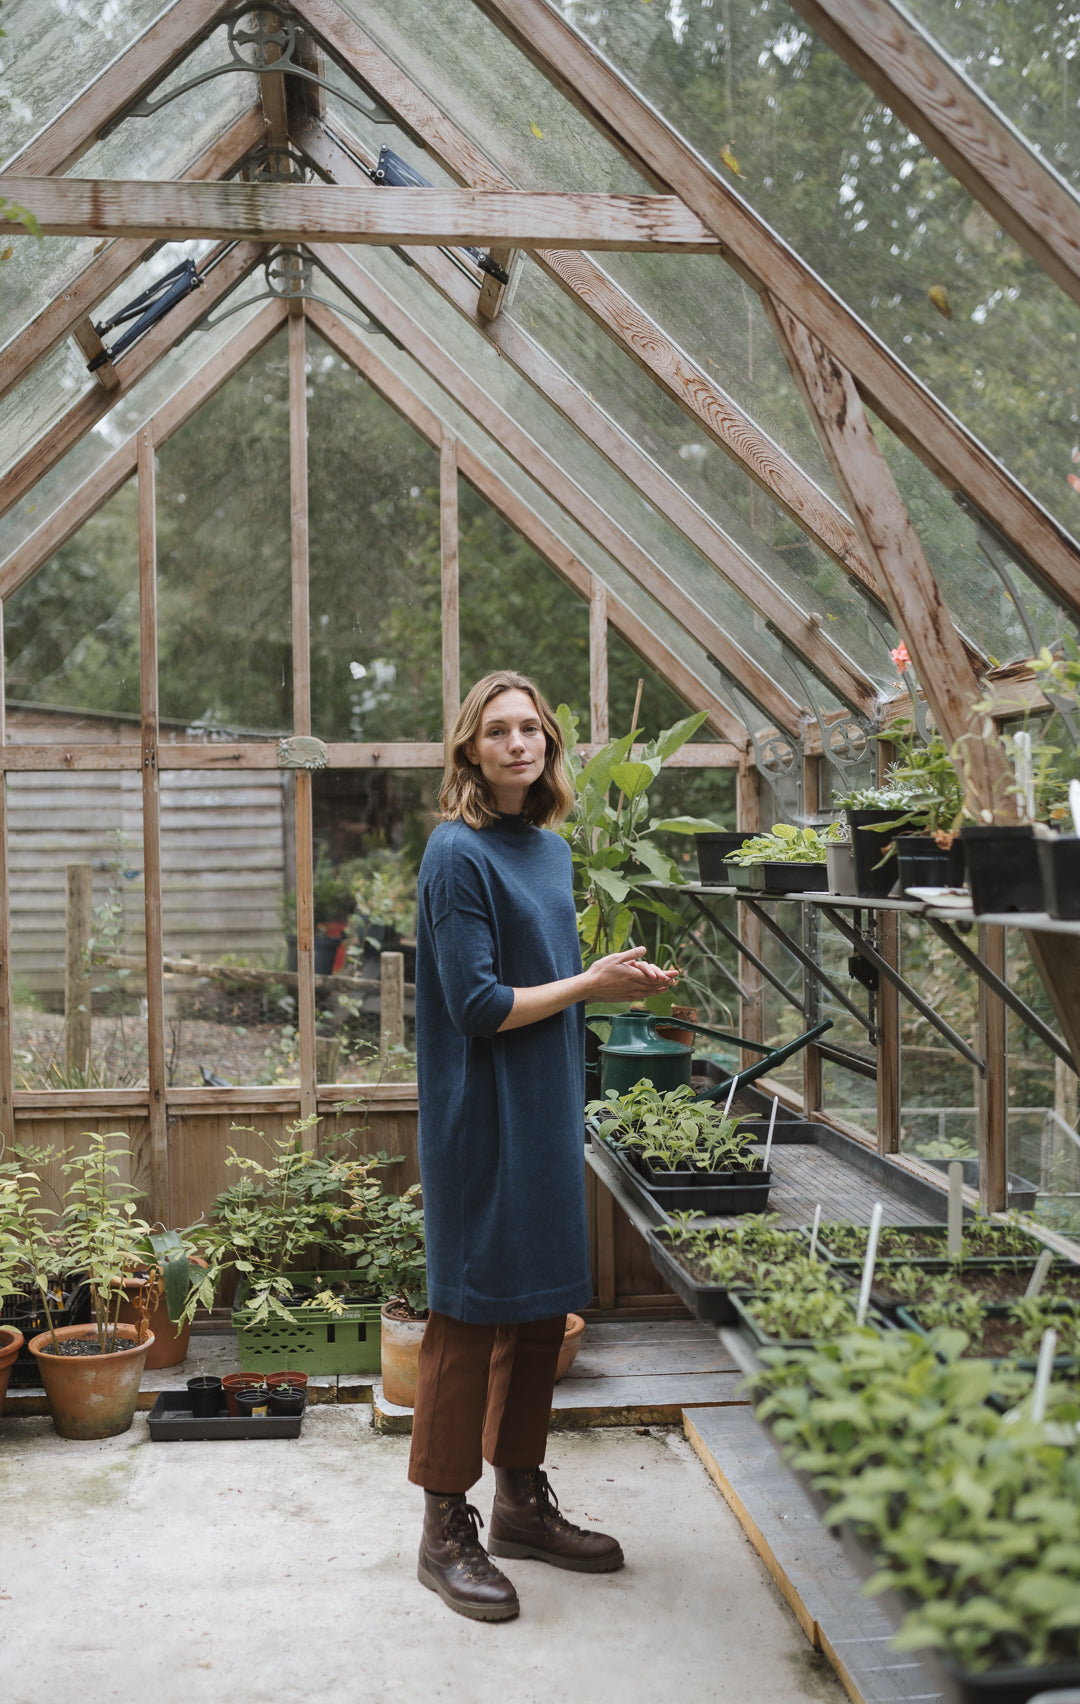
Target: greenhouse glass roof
(664, 390)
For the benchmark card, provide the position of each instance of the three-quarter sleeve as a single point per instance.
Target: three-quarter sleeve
(477, 1002)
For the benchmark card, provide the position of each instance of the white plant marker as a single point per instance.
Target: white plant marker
(1025, 773)
(1038, 1277)
(956, 1208)
(772, 1127)
(731, 1094)
(1074, 805)
(1042, 1375)
(814, 1232)
(868, 1263)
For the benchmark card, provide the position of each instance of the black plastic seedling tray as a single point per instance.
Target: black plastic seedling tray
(171, 1419)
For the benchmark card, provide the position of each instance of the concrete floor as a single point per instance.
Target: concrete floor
(278, 1572)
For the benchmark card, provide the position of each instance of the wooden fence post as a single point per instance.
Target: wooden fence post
(80, 906)
(391, 1004)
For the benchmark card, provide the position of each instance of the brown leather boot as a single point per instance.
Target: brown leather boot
(525, 1521)
(455, 1564)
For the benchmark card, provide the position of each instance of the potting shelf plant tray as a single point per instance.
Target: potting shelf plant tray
(310, 1340)
(171, 1419)
(932, 1250)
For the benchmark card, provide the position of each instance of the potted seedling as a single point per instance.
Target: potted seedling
(705, 1262)
(686, 1152)
(925, 833)
(787, 860)
(869, 811)
(91, 1373)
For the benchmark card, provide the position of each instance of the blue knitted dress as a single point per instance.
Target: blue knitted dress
(501, 1121)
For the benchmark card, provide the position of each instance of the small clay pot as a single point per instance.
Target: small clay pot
(206, 1395)
(232, 1382)
(571, 1343)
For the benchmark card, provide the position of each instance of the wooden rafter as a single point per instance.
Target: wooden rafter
(718, 548)
(952, 454)
(536, 532)
(893, 546)
(891, 54)
(64, 433)
(706, 630)
(79, 299)
(68, 137)
(319, 213)
(55, 530)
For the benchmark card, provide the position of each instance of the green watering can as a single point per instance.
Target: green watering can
(634, 1050)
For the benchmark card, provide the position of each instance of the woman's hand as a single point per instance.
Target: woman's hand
(627, 976)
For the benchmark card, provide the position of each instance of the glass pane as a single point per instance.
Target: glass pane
(851, 1094)
(167, 376)
(1022, 58)
(698, 468)
(938, 1112)
(224, 554)
(376, 607)
(47, 393)
(371, 827)
(491, 92)
(52, 49)
(568, 449)
(232, 1019)
(1043, 1148)
(853, 192)
(71, 636)
(54, 821)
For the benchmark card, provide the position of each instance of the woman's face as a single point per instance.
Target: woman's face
(510, 748)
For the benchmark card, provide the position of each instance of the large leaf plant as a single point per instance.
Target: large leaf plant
(613, 837)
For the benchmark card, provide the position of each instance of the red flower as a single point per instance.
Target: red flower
(900, 657)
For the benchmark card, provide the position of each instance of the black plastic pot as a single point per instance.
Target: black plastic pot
(712, 849)
(253, 1400)
(287, 1399)
(709, 1197)
(868, 845)
(206, 1396)
(691, 1177)
(1003, 868)
(1059, 865)
(921, 862)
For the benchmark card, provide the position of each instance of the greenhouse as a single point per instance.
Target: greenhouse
(713, 365)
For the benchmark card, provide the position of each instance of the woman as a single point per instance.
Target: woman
(500, 1045)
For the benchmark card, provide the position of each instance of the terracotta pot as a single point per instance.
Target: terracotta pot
(91, 1396)
(571, 1343)
(11, 1341)
(400, 1348)
(170, 1341)
(232, 1382)
(671, 1031)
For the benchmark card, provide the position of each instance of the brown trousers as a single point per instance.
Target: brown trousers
(483, 1393)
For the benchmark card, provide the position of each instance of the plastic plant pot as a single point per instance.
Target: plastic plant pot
(253, 1400)
(868, 847)
(921, 862)
(206, 1395)
(287, 1399)
(1003, 868)
(712, 849)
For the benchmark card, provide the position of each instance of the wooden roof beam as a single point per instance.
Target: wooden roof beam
(314, 213)
(952, 454)
(889, 51)
(64, 433)
(515, 440)
(77, 301)
(524, 520)
(66, 519)
(86, 336)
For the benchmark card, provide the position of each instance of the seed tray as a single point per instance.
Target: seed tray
(171, 1419)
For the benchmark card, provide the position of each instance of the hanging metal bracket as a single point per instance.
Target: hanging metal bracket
(844, 744)
(250, 48)
(289, 275)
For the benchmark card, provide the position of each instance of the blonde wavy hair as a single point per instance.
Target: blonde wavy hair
(466, 795)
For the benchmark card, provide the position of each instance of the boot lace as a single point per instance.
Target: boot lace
(462, 1530)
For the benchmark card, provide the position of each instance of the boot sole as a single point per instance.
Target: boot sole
(474, 1611)
(576, 1564)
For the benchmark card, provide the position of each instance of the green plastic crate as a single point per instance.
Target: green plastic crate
(311, 1342)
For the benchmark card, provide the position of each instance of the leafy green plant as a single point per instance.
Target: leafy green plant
(384, 891)
(972, 1517)
(786, 845)
(926, 773)
(301, 1210)
(613, 838)
(806, 1303)
(981, 1236)
(752, 1252)
(672, 1129)
(890, 796)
